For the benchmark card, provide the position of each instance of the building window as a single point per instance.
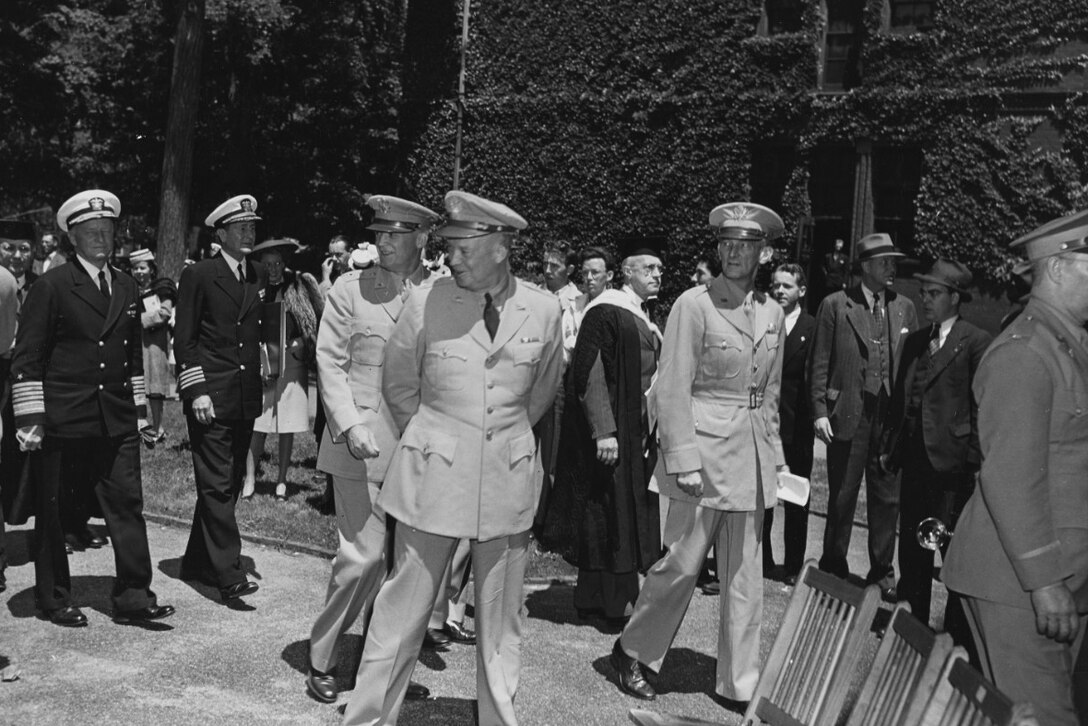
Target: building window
(897, 177)
(842, 47)
(783, 16)
(906, 15)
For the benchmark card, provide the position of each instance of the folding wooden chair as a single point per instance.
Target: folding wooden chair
(963, 697)
(642, 717)
(808, 671)
(903, 675)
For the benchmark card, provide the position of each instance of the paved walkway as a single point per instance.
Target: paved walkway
(210, 664)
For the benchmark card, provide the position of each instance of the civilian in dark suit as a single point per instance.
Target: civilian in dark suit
(217, 345)
(78, 393)
(933, 429)
(788, 287)
(854, 358)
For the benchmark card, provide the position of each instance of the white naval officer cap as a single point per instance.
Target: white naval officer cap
(393, 214)
(242, 208)
(91, 204)
(472, 216)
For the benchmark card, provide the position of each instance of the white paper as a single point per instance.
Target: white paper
(793, 489)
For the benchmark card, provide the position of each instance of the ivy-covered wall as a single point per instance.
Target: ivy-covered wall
(619, 117)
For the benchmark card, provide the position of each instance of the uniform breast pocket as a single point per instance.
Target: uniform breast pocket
(526, 358)
(723, 356)
(445, 366)
(771, 341)
(368, 344)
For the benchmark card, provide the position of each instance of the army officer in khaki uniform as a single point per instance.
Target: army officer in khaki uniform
(1020, 552)
(717, 395)
(360, 312)
(473, 363)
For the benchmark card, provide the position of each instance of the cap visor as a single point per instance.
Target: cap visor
(450, 232)
(380, 227)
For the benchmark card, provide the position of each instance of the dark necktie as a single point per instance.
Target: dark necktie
(878, 310)
(491, 316)
(934, 340)
(102, 284)
(241, 274)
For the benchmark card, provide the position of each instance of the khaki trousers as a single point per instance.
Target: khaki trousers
(690, 530)
(357, 571)
(450, 605)
(404, 605)
(1024, 665)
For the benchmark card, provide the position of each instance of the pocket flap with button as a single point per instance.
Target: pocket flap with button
(962, 429)
(522, 447)
(430, 442)
(528, 354)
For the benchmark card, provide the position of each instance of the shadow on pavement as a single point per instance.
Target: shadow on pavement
(172, 568)
(684, 671)
(18, 547)
(555, 604)
(88, 591)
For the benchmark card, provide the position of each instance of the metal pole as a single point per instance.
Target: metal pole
(466, 9)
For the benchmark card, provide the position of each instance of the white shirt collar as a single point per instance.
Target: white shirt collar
(946, 328)
(869, 294)
(231, 260)
(792, 318)
(93, 271)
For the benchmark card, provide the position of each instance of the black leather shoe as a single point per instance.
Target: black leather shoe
(321, 686)
(3, 580)
(143, 615)
(889, 595)
(238, 589)
(631, 679)
(417, 692)
(791, 579)
(460, 634)
(435, 638)
(712, 588)
(68, 617)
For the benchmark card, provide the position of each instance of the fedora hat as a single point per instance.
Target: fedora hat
(953, 275)
(875, 245)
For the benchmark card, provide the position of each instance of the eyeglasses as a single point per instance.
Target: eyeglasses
(740, 245)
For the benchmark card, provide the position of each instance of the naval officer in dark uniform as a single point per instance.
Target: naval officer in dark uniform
(78, 397)
(217, 345)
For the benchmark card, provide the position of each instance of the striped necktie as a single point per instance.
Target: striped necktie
(934, 340)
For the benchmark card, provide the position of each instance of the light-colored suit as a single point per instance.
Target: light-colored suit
(717, 397)
(464, 468)
(1026, 525)
(360, 312)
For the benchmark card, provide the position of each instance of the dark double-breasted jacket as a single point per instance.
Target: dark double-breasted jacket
(217, 337)
(77, 367)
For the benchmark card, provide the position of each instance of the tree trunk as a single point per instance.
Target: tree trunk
(177, 162)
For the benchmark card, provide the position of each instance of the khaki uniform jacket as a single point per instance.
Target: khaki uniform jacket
(465, 463)
(715, 363)
(1026, 525)
(360, 311)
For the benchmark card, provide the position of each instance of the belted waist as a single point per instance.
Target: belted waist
(752, 399)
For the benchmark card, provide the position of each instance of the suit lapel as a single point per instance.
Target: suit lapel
(117, 301)
(858, 314)
(86, 289)
(513, 316)
(250, 291)
(225, 279)
(895, 318)
(947, 353)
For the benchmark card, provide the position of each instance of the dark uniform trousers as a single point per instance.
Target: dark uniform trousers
(114, 463)
(847, 462)
(795, 535)
(219, 463)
